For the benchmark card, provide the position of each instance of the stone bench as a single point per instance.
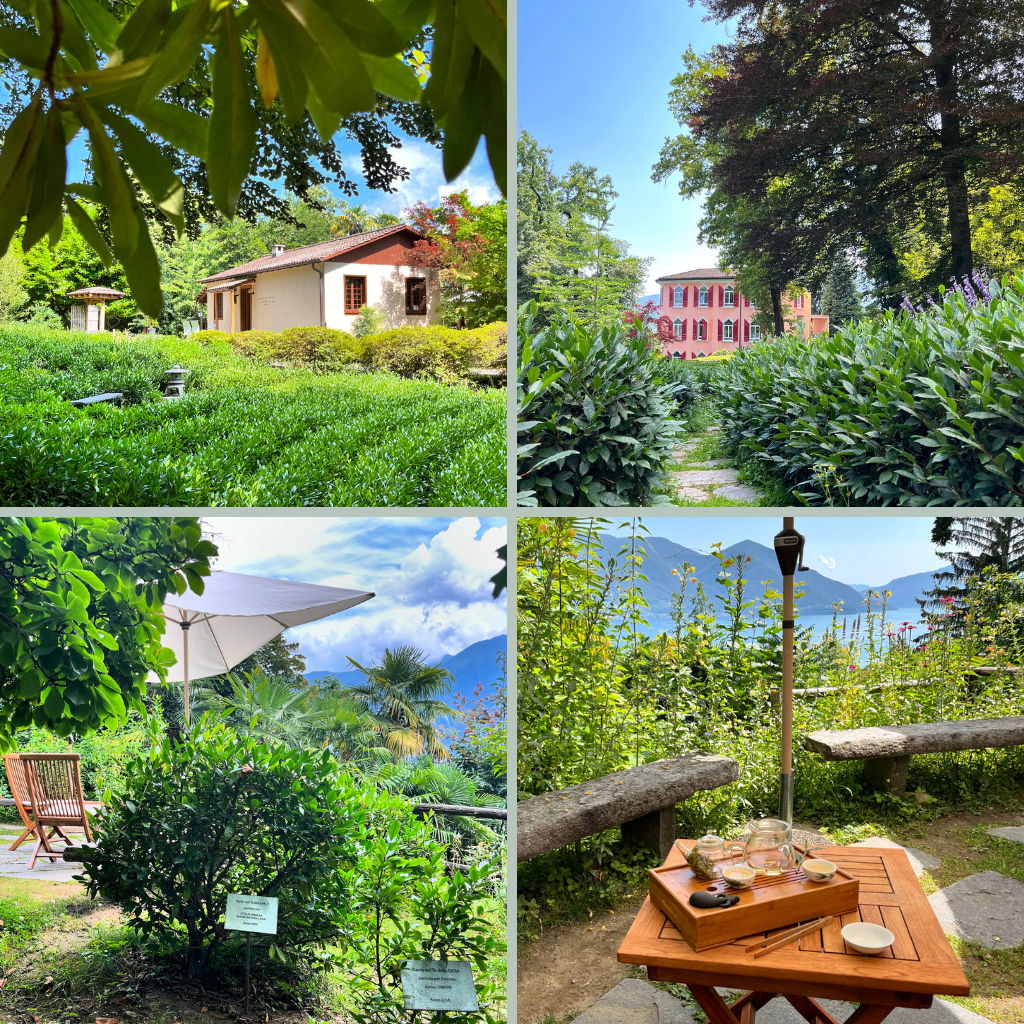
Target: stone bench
(886, 750)
(641, 800)
(107, 396)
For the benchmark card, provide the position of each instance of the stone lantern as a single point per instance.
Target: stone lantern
(175, 387)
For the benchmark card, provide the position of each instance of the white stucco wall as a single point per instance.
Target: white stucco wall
(286, 298)
(385, 290)
(291, 297)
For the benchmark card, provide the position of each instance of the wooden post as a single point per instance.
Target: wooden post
(184, 629)
(103, 314)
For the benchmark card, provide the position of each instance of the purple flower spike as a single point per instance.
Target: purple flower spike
(969, 294)
(981, 279)
(907, 304)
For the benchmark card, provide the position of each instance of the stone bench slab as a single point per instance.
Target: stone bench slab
(107, 396)
(552, 820)
(925, 738)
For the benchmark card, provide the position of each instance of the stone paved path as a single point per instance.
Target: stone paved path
(635, 1001)
(15, 865)
(701, 481)
(1015, 832)
(919, 860)
(987, 908)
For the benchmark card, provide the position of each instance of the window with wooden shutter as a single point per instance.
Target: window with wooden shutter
(746, 331)
(711, 296)
(686, 292)
(219, 304)
(415, 296)
(702, 296)
(719, 330)
(355, 293)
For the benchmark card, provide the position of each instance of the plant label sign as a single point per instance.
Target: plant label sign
(251, 914)
(439, 985)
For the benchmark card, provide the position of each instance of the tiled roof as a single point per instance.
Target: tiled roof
(705, 273)
(307, 254)
(106, 293)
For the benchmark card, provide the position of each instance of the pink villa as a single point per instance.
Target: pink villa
(708, 313)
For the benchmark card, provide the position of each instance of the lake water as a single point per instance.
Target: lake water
(820, 623)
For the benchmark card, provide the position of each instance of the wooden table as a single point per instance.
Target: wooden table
(920, 963)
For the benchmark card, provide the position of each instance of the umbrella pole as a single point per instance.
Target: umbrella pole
(184, 629)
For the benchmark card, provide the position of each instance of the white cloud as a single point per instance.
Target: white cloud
(478, 194)
(430, 576)
(829, 563)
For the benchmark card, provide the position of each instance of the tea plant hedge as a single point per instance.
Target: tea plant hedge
(245, 434)
(916, 408)
(595, 416)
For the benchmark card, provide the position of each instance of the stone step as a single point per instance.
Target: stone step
(634, 1001)
(987, 908)
(1014, 832)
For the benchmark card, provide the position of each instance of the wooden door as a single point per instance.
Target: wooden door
(246, 311)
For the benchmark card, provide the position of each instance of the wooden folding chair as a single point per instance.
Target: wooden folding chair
(47, 789)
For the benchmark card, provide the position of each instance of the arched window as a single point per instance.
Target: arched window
(677, 327)
(677, 295)
(800, 301)
(701, 355)
(755, 332)
(677, 355)
(702, 330)
(727, 329)
(729, 296)
(703, 295)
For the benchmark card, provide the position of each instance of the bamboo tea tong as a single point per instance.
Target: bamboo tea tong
(774, 942)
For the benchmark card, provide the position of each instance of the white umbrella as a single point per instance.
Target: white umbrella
(236, 615)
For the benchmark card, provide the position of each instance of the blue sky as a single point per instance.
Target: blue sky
(426, 182)
(850, 549)
(430, 576)
(593, 81)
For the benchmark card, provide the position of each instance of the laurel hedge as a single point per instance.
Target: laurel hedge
(921, 407)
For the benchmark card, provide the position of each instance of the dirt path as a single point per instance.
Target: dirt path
(569, 967)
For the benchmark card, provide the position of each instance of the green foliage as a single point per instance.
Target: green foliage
(695, 380)
(567, 263)
(245, 434)
(839, 299)
(218, 813)
(402, 696)
(349, 64)
(597, 693)
(322, 349)
(368, 321)
(79, 602)
(438, 353)
(402, 906)
(594, 415)
(918, 409)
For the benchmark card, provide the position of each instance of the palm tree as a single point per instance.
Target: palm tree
(401, 695)
(350, 220)
(272, 708)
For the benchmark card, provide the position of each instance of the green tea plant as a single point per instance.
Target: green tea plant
(594, 415)
(217, 813)
(400, 906)
(916, 408)
(695, 380)
(245, 433)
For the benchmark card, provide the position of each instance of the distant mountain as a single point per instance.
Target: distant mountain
(906, 589)
(477, 663)
(662, 555)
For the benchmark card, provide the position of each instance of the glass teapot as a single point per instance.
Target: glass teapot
(767, 847)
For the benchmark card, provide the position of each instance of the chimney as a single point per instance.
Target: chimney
(277, 249)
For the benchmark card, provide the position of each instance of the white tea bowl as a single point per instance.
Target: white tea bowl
(868, 938)
(739, 876)
(818, 870)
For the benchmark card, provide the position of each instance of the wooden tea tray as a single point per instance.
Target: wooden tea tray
(770, 902)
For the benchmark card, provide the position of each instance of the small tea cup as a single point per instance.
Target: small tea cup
(739, 876)
(869, 939)
(818, 870)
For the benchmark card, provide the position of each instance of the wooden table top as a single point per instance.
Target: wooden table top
(919, 962)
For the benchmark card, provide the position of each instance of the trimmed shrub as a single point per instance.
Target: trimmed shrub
(440, 353)
(255, 344)
(320, 348)
(493, 350)
(594, 416)
(907, 409)
(207, 337)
